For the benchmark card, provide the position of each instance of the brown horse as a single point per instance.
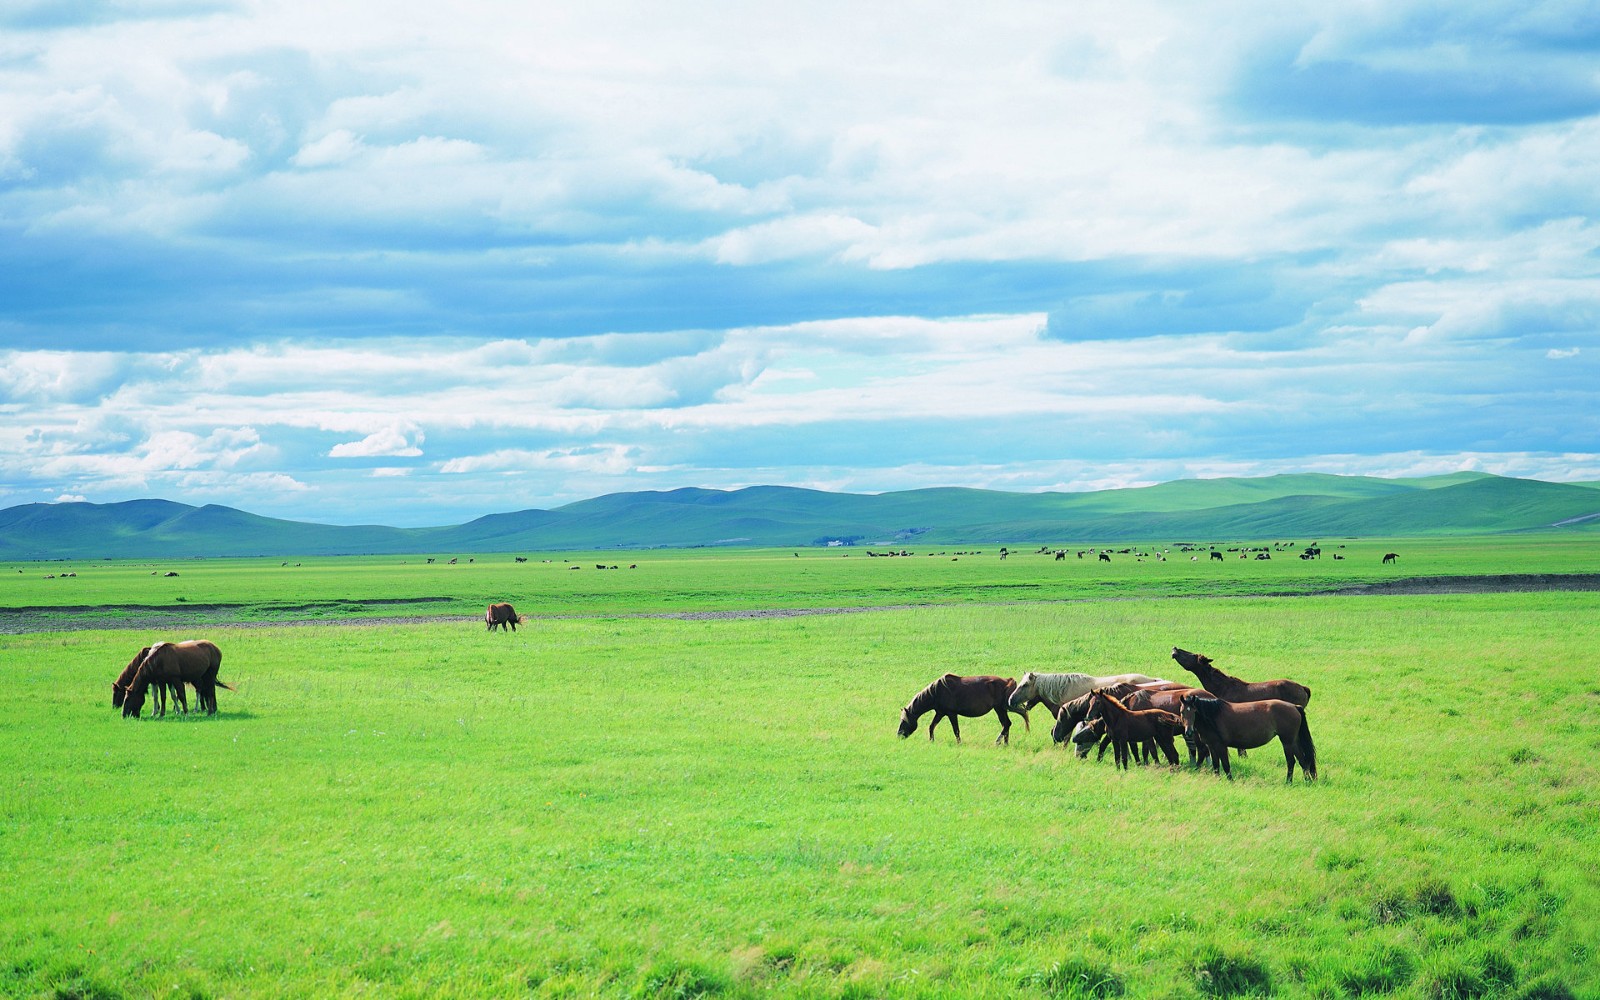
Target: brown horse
(194, 662)
(119, 687)
(1230, 688)
(953, 695)
(1130, 727)
(1245, 725)
(502, 615)
(1076, 712)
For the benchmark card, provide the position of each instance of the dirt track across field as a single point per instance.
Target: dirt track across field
(16, 621)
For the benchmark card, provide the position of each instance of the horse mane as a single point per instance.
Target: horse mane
(1205, 706)
(1105, 693)
(920, 702)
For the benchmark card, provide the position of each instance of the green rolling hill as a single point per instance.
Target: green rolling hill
(1276, 507)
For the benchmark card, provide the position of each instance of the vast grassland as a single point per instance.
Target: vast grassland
(644, 806)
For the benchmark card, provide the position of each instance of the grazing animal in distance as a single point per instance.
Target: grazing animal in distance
(1230, 688)
(194, 662)
(502, 616)
(1391, 557)
(1246, 725)
(952, 695)
(1055, 690)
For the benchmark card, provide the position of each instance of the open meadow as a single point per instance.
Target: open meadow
(632, 797)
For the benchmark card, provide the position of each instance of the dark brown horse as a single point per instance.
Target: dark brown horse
(1076, 712)
(502, 615)
(1129, 727)
(952, 696)
(1230, 688)
(119, 687)
(1245, 725)
(193, 662)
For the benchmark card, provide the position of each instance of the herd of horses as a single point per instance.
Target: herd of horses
(1137, 715)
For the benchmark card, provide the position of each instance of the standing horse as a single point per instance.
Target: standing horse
(1245, 725)
(1129, 727)
(1056, 690)
(502, 615)
(1230, 688)
(194, 662)
(953, 695)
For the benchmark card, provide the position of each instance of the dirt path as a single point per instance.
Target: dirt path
(16, 621)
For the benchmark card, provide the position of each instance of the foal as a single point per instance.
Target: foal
(1130, 727)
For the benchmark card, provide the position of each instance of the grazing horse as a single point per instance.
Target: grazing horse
(194, 662)
(502, 615)
(953, 695)
(1245, 725)
(119, 687)
(1230, 688)
(1129, 727)
(1056, 690)
(1391, 557)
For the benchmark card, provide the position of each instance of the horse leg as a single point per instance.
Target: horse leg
(1288, 757)
(1168, 750)
(1005, 728)
(955, 727)
(1105, 741)
(937, 715)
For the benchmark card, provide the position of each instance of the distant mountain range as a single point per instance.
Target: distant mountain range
(1305, 506)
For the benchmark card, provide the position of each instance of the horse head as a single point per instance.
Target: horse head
(1192, 662)
(908, 725)
(1023, 696)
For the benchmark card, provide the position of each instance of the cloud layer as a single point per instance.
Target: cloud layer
(449, 261)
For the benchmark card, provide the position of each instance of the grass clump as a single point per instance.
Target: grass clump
(1218, 974)
(1076, 979)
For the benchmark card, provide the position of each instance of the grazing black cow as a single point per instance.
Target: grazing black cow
(1216, 556)
(1105, 557)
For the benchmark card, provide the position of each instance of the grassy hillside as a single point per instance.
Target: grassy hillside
(1300, 507)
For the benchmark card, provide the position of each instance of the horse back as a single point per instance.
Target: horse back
(1250, 724)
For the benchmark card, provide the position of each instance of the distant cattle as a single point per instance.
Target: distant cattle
(521, 559)
(1216, 556)
(1105, 557)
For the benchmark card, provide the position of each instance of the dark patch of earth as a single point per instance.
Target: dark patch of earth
(15, 621)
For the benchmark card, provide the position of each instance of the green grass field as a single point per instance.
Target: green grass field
(627, 806)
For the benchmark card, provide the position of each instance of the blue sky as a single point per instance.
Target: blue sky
(482, 256)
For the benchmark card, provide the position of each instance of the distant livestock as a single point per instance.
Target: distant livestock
(1105, 557)
(1391, 557)
(502, 616)
(174, 664)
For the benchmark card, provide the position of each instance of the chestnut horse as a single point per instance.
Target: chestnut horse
(502, 615)
(1129, 727)
(1248, 724)
(1230, 688)
(119, 687)
(953, 695)
(175, 663)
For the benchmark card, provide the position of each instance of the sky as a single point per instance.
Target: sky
(411, 263)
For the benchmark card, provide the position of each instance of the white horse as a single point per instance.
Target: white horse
(1056, 690)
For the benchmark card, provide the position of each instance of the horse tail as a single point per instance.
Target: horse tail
(223, 684)
(1309, 761)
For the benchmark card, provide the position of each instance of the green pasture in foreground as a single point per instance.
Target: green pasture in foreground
(658, 807)
(701, 579)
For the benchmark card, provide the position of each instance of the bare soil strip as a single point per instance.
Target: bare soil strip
(16, 621)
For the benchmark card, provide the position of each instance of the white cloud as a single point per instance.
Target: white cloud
(396, 440)
(1562, 353)
(71, 498)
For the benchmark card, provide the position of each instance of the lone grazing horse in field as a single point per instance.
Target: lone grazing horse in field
(953, 695)
(193, 662)
(1230, 688)
(1391, 557)
(1130, 728)
(502, 615)
(1246, 725)
(1056, 690)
